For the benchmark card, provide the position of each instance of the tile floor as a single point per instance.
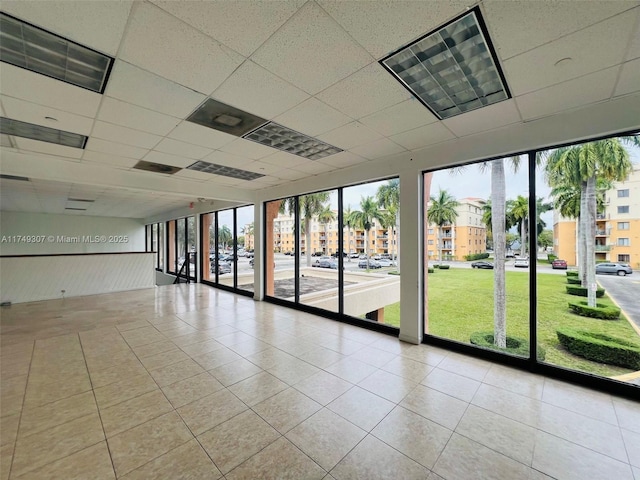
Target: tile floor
(190, 382)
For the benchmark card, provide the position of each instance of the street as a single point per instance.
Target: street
(625, 291)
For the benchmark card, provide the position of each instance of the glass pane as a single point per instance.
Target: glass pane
(161, 241)
(371, 233)
(476, 256)
(182, 246)
(280, 251)
(172, 257)
(588, 298)
(208, 247)
(154, 237)
(318, 280)
(192, 245)
(245, 247)
(227, 255)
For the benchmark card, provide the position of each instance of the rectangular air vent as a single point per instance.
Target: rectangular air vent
(207, 167)
(76, 209)
(46, 53)
(40, 133)
(287, 140)
(156, 167)
(452, 70)
(13, 177)
(225, 118)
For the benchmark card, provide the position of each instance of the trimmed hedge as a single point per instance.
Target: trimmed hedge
(574, 281)
(436, 265)
(476, 256)
(551, 258)
(444, 267)
(582, 291)
(600, 347)
(430, 270)
(516, 346)
(571, 273)
(601, 311)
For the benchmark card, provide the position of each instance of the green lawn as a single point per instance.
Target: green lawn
(461, 302)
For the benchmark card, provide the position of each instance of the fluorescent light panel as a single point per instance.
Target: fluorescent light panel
(213, 168)
(32, 131)
(453, 70)
(40, 51)
(225, 118)
(287, 140)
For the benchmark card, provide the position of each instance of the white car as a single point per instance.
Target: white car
(521, 262)
(385, 262)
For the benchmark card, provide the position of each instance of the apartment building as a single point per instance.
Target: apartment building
(617, 227)
(467, 235)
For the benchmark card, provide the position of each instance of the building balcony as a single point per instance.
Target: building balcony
(601, 216)
(603, 248)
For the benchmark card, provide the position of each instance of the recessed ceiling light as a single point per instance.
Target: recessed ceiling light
(80, 200)
(17, 128)
(452, 70)
(156, 167)
(40, 51)
(213, 168)
(225, 118)
(13, 177)
(77, 209)
(287, 140)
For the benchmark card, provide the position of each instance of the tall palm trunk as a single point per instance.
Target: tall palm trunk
(348, 243)
(397, 249)
(523, 237)
(307, 236)
(498, 214)
(366, 246)
(439, 244)
(590, 240)
(583, 231)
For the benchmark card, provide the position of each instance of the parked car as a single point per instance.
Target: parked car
(223, 268)
(385, 255)
(316, 254)
(325, 257)
(621, 269)
(558, 264)
(326, 264)
(354, 255)
(372, 264)
(288, 253)
(386, 262)
(482, 264)
(377, 257)
(362, 256)
(521, 262)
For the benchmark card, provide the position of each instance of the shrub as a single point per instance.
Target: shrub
(571, 273)
(435, 265)
(430, 270)
(601, 311)
(516, 346)
(582, 291)
(574, 281)
(476, 256)
(551, 257)
(444, 267)
(600, 347)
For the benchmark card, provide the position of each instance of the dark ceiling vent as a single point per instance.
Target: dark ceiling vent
(156, 167)
(225, 118)
(13, 177)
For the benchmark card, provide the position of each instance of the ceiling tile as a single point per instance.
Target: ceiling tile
(193, 175)
(128, 136)
(629, 80)
(574, 93)
(108, 159)
(483, 119)
(284, 159)
(289, 174)
(262, 168)
(314, 168)
(28, 145)
(344, 159)
(35, 88)
(145, 89)
(160, 43)
(384, 26)
(247, 149)
(96, 24)
(132, 116)
(33, 113)
(550, 20)
(258, 91)
(365, 92)
(592, 49)
(399, 118)
(198, 135)
(176, 147)
(633, 49)
(104, 146)
(228, 159)
(223, 20)
(311, 51)
(350, 135)
(378, 149)
(423, 136)
(313, 117)
(166, 159)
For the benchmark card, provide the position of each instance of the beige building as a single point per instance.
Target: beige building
(617, 228)
(468, 234)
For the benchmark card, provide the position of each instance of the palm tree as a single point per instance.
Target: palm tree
(347, 220)
(247, 231)
(325, 216)
(520, 212)
(442, 211)
(310, 205)
(363, 219)
(224, 236)
(581, 166)
(389, 198)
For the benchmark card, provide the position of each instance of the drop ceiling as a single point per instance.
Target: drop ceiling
(311, 66)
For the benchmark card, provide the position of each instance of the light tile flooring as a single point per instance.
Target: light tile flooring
(190, 382)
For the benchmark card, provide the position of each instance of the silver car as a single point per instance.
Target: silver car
(621, 269)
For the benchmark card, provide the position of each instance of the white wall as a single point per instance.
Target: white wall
(66, 234)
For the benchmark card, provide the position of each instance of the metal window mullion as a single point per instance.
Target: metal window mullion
(235, 248)
(533, 285)
(340, 253)
(296, 263)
